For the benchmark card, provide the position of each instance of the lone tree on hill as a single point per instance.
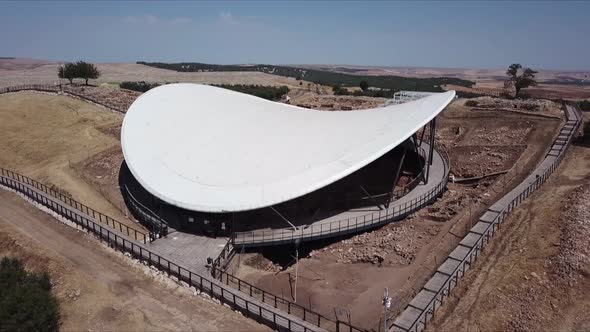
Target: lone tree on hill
(87, 71)
(364, 85)
(80, 69)
(67, 71)
(522, 81)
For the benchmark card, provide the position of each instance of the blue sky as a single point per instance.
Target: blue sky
(547, 35)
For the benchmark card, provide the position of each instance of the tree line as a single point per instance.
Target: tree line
(80, 69)
(323, 77)
(262, 91)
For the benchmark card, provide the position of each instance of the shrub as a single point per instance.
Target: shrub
(26, 302)
(138, 86)
(584, 105)
(471, 103)
(364, 85)
(465, 94)
(262, 91)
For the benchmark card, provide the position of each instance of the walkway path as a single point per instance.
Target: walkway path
(421, 309)
(354, 221)
(250, 306)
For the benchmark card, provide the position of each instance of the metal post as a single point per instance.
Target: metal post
(296, 267)
(371, 197)
(397, 175)
(415, 140)
(431, 149)
(386, 304)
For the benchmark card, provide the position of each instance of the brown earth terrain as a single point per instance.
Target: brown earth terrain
(74, 145)
(551, 91)
(47, 137)
(347, 277)
(535, 273)
(99, 289)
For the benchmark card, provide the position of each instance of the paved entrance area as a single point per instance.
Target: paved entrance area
(190, 250)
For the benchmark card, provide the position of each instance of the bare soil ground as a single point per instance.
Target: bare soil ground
(99, 289)
(552, 91)
(348, 276)
(53, 138)
(535, 274)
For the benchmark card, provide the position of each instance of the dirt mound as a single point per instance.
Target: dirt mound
(392, 245)
(532, 105)
(573, 260)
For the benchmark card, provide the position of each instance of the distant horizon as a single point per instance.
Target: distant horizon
(301, 64)
(457, 35)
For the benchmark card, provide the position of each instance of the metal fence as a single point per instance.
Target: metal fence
(307, 314)
(158, 227)
(67, 89)
(344, 226)
(421, 321)
(136, 234)
(226, 295)
(292, 308)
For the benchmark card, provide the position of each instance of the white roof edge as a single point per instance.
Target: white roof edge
(187, 181)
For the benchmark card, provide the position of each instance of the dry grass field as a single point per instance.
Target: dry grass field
(118, 72)
(45, 136)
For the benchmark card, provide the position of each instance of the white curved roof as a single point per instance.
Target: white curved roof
(210, 149)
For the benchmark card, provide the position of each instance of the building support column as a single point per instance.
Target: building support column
(397, 175)
(420, 162)
(371, 197)
(431, 148)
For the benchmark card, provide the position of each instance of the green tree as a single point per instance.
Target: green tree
(364, 85)
(67, 71)
(26, 302)
(519, 78)
(86, 71)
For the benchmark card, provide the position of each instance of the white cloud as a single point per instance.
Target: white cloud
(228, 18)
(152, 19)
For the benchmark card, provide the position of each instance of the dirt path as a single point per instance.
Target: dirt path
(515, 286)
(99, 289)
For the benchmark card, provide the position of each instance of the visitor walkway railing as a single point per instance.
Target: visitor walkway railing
(422, 308)
(158, 227)
(344, 226)
(136, 234)
(86, 219)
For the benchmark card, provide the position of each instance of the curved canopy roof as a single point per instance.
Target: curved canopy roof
(210, 149)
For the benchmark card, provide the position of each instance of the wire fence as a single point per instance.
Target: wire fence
(557, 152)
(136, 234)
